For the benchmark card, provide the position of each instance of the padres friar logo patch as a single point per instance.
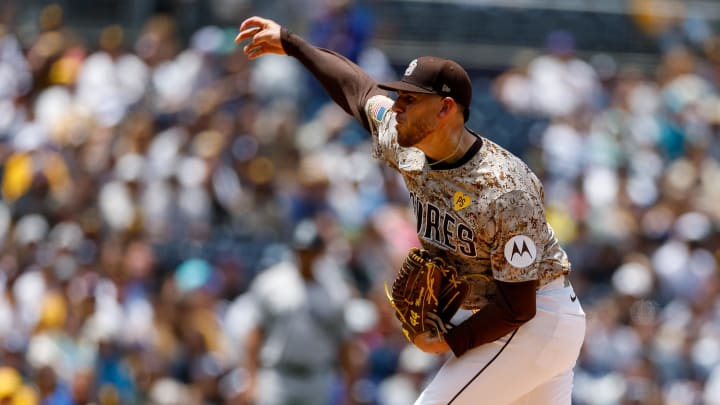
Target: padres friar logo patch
(520, 251)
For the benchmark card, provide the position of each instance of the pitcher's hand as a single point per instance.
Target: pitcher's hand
(264, 37)
(431, 342)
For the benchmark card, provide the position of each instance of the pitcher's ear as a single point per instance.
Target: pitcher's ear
(445, 106)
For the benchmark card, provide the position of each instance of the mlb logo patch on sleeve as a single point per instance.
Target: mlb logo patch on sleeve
(378, 106)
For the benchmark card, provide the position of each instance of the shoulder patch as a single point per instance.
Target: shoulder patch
(378, 106)
(520, 251)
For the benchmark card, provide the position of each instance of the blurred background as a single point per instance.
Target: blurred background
(149, 173)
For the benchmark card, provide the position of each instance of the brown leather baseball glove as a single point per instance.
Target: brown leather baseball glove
(426, 293)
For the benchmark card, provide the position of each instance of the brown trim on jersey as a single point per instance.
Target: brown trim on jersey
(345, 82)
(512, 305)
(474, 148)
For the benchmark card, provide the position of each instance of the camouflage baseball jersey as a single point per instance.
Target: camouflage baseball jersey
(485, 216)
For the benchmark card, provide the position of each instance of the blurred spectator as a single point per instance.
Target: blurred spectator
(300, 330)
(13, 390)
(555, 84)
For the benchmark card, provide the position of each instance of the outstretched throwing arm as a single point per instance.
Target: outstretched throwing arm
(345, 82)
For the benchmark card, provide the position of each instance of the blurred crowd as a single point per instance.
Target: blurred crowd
(145, 185)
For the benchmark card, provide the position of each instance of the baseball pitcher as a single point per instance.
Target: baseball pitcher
(480, 220)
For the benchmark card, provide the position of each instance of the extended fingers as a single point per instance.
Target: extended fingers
(250, 27)
(254, 51)
(254, 21)
(258, 49)
(263, 35)
(246, 33)
(257, 44)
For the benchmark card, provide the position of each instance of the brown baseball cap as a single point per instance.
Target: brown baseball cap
(432, 75)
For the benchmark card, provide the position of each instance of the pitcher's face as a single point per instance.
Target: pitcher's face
(416, 116)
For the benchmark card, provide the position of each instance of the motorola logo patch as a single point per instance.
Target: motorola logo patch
(520, 251)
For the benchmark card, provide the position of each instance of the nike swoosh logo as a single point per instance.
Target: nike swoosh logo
(573, 298)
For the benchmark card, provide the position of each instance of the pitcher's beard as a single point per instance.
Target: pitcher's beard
(411, 136)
